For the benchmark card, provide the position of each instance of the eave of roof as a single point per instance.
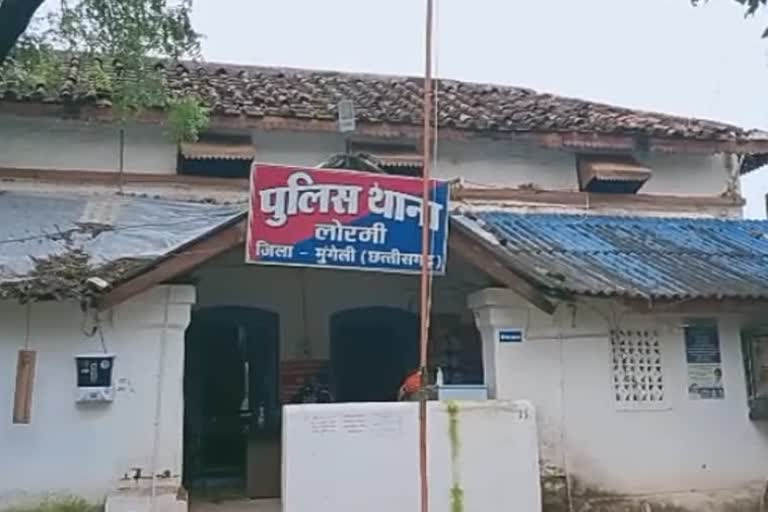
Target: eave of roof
(59, 240)
(279, 98)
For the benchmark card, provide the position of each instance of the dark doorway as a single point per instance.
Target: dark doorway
(230, 393)
(372, 350)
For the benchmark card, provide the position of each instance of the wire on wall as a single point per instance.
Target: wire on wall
(97, 328)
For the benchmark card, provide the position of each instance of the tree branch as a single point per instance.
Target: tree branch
(15, 16)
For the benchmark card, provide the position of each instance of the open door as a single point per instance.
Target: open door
(231, 386)
(372, 350)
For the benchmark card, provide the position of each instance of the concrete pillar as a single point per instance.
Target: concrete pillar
(496, 309)
(158, 317)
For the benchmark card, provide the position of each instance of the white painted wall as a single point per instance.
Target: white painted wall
(32, 142)
(563, 367)
(49, 143)
(351, 457)
(507, 163)
(87, 450)
(280, 290)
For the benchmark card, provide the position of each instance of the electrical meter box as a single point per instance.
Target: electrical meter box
(94, 378)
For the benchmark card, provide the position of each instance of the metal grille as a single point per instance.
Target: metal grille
(638, 374)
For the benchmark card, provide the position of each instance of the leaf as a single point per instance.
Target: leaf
(120, 46)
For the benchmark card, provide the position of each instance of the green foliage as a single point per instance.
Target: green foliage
(457, 493)
(57, 504)
(457, 499)
(187, 117)
(121, 44)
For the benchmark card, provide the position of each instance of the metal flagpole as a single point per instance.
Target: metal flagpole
(425, 270)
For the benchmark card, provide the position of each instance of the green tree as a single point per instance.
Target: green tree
(120, 44)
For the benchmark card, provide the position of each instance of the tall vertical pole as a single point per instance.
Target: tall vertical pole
(425, 270)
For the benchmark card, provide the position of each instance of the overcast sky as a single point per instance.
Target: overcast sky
(652, 54)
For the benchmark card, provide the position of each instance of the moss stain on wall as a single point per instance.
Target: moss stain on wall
(457, 493)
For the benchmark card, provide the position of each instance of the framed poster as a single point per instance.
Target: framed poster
(704, 360)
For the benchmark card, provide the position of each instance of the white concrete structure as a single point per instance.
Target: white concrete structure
(95, 450)
(306, 299)
(77, 145)
(593, 453)
(594, 450)
(366, 457)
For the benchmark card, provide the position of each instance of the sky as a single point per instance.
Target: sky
(662, 55)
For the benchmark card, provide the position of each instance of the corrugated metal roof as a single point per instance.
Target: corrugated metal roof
(667, 258)
(64, 238)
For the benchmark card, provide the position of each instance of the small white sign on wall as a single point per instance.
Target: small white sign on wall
(510, 335)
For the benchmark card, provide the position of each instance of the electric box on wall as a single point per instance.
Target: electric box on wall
(95, 378)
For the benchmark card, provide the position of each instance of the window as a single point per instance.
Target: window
(755, 353)
(637, 370)
(614, 174)
(217, 157)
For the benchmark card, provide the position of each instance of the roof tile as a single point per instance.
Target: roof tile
(293, 93)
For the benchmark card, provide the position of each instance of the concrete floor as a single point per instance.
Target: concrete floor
(238, 505)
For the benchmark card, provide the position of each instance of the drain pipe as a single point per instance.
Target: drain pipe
(159, 399)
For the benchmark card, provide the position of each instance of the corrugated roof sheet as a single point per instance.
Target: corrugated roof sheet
(665, 258)
(51, 242)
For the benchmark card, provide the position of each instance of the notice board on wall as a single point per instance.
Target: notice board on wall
(704, 360)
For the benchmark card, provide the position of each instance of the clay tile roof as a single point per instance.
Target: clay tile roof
(257, 92)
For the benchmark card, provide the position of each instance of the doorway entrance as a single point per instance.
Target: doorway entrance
(231, 402)
(372, 350)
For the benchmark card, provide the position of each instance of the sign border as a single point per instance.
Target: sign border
(249, 231)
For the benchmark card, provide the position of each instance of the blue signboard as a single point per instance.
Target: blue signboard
(510, 336)
(344, 219)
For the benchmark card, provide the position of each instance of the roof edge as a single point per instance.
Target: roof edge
(182, 260)
(568, 140)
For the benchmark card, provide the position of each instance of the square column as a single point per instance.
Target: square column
(497, 311)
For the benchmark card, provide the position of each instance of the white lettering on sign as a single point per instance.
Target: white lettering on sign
(391, 204)
(302, 195)
(337, 232)
(335, 254)
(510, 335)
(266, 249)
(395, 257)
